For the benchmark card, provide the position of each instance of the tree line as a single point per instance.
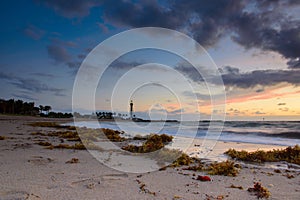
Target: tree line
(19, 107)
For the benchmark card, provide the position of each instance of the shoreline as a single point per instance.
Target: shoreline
(29, 171)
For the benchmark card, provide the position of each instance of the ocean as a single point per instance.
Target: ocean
(278, 133)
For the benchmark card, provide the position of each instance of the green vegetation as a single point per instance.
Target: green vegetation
(290, 154)
(226, 168)
(260, 191)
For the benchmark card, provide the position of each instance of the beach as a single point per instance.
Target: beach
(30, 171)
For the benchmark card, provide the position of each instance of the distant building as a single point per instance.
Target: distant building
(131, 109)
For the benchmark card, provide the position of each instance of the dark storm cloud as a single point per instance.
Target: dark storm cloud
(229, 70)
(31, 85)
(261, 77)
(262, 24)
(232, 76)
(294, 63)
(190, 71)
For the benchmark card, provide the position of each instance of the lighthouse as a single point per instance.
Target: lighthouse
(131, 109)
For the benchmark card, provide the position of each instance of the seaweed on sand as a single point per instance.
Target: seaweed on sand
(289, 154)
(226, 168)
(51, 125)
(260, 191)
(153, 143)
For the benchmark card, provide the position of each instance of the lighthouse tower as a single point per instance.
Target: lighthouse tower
(131, 109)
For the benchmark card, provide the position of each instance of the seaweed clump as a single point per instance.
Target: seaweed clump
(290, 154)
(184, 159)
(51, 125)
(226, 168)
(113, 135)
(260, 191)
(153, 143)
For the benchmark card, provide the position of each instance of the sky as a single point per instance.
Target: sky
(254, 45)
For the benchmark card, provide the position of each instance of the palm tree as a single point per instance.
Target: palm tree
(47, 109)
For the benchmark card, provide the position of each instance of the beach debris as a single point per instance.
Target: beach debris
(203, 178)
(184, 159)
(42, 143)
(259, 191)
(209, 197)
(176, 197)
(73, 160)
(289, 154)
(153, 143)
(90, 185)
(198, 167)
(2, 137)
(289, 176)
(226, 168)
(143, 188)
(277, 171)
(237, 187)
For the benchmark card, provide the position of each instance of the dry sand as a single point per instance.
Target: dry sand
(29, 171)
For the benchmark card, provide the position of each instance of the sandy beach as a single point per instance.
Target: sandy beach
(29, 171)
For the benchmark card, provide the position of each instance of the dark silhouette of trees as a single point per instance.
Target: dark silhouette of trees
(20, 107)
(104, 115)
(47, 109)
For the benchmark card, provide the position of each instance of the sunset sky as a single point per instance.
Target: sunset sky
(254, 44)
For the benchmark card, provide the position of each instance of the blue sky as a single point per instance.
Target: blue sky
(255, 44)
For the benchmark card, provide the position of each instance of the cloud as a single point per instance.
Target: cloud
(232, 111)
(198, 95)
(261, 77)
(24, 96)
(229, 70)
(294, 63)
(232, 76)
(31, 85)
(103, 27)
(259, 113)
(33, 32)
(281, 104)
(285, 109)
(261, 24)
(177, 111)
(259, 90)
(44, 75)
(70, 8)
(58, 53)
